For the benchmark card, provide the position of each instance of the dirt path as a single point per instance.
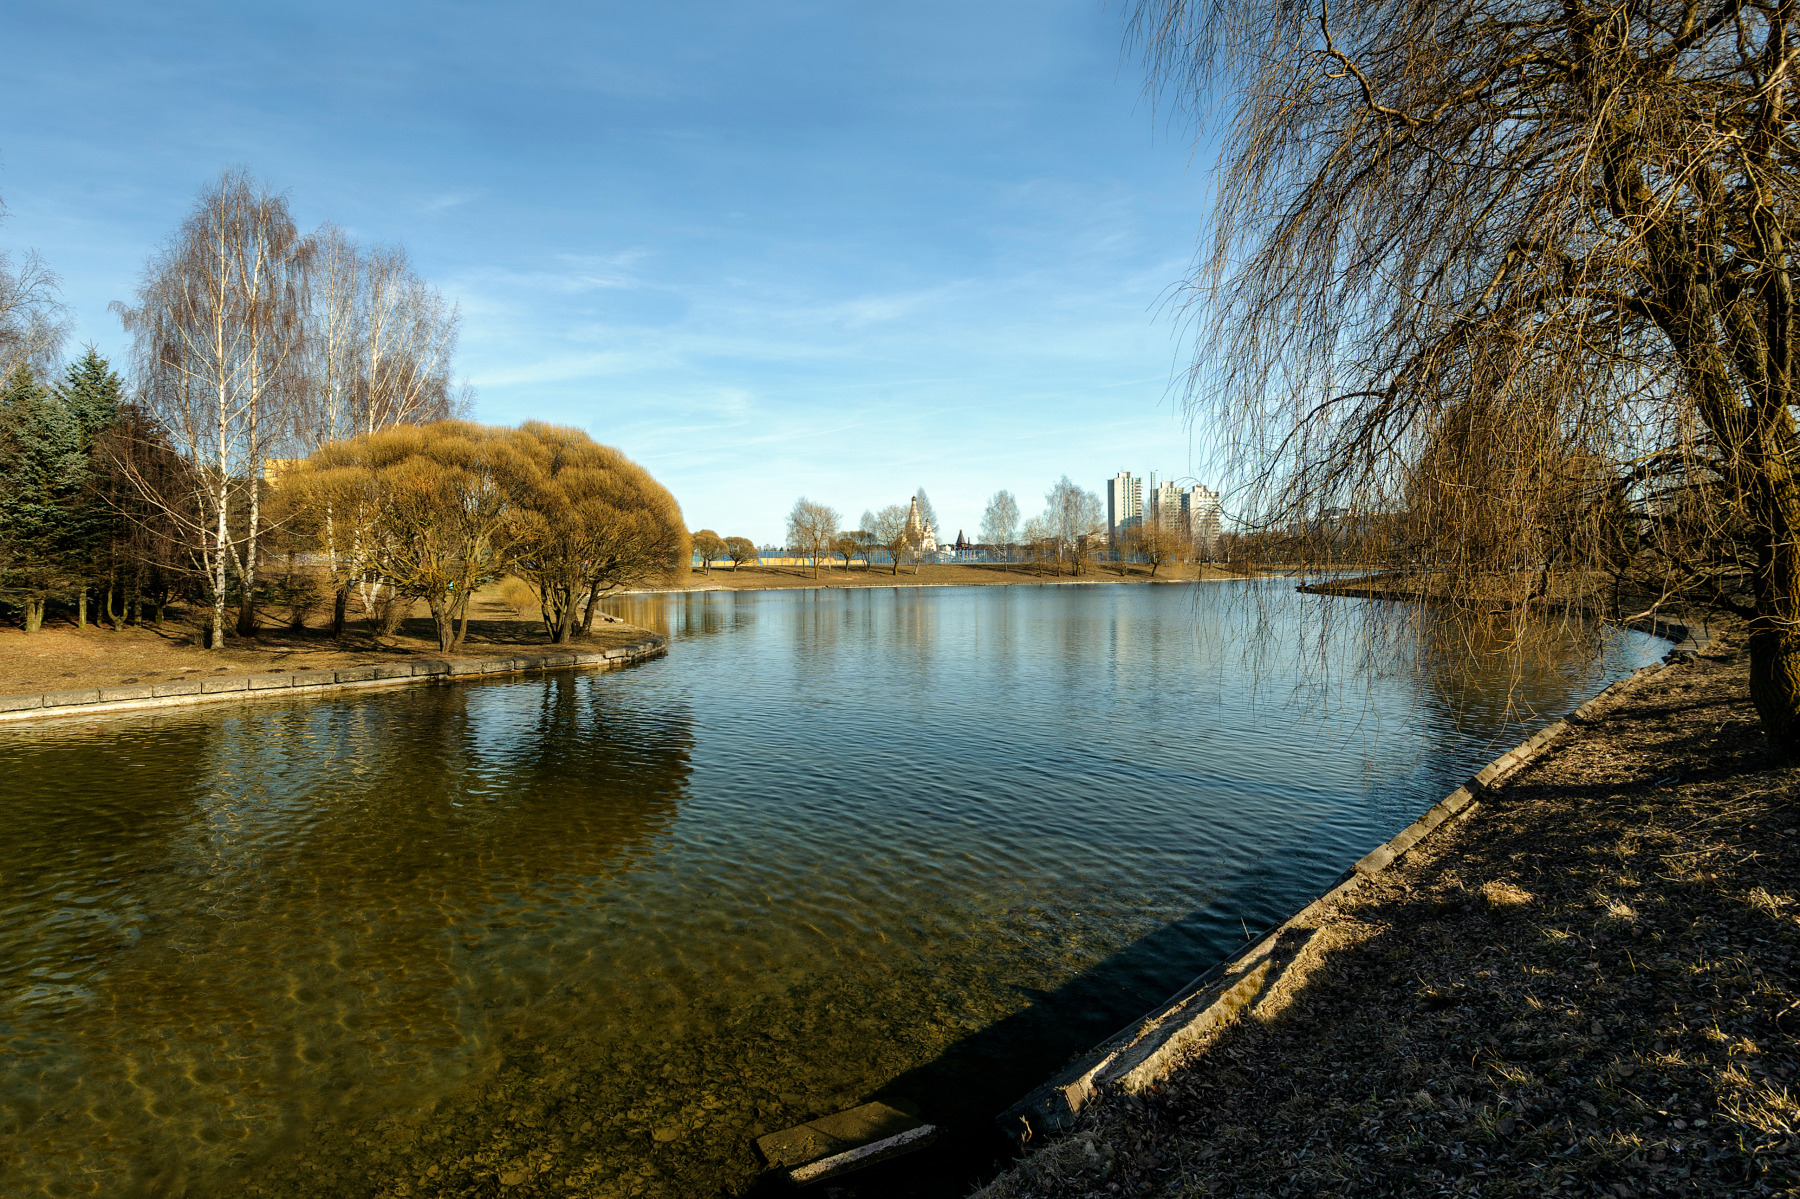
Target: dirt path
(1589, 987)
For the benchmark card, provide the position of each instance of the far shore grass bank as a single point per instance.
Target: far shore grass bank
(1591, 986)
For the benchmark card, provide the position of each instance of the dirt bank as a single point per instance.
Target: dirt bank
(1587, 987)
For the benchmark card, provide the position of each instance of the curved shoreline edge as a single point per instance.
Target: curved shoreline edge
(99, 701)
(1145, 1052)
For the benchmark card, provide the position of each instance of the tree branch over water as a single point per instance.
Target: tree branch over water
(1473, 265)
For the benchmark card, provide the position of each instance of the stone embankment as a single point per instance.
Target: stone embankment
(1576, 975)
(95, 701)
(1140, 1056)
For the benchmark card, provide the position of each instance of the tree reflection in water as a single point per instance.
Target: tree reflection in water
(265, 915)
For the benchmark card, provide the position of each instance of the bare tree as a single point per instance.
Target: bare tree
(1520, 273)
(888, 528)
(215, 335)
(378, 352)
(32, 323)
(409, 338)
(812, 528)
(928, 514)
(1072, 515)
(1000, 523)
(1042, 542)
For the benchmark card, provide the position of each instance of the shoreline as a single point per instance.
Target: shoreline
(821, 585)
(1144, 1053)
(87, 703)
(1486, 1004)
(62, 657)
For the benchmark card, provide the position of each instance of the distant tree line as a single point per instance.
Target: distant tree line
(1069, 535)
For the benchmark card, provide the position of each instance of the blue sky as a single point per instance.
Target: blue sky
(767, 249)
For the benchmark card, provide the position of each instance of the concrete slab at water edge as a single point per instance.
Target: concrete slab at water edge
(1053, 1106)
(59, 699)
(837, 1134)
(132, 697)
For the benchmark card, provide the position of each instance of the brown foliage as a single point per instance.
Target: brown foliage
(588, 520)
(434, 511)
(710, 547)
(1513, 277)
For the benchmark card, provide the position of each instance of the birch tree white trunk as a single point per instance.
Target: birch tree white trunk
(216, 331)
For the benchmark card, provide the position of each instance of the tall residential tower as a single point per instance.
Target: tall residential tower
(1124, 504)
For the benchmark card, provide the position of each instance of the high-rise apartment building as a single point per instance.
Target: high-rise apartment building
(1124, 504)
(1200, 517)
(1167, 503)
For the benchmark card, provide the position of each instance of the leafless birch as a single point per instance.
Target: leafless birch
(215, 333)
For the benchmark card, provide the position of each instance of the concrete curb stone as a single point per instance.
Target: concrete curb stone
(140, 691)
(137, 697)
(1140, 1056)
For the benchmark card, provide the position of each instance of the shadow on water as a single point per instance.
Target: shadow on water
(972, 1081)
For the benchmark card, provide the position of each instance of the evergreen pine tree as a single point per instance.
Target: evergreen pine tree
(93, 393)
(54, 528)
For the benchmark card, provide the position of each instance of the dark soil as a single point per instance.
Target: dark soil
(1588, 987)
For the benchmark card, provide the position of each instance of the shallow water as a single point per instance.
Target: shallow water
(592, 933)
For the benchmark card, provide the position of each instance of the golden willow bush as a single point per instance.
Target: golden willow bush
(433, 512)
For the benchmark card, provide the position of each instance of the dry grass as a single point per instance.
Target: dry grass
(1592, 987)
(60, 656)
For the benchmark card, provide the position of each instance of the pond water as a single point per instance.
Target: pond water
(591, 933)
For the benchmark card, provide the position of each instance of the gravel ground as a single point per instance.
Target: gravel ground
(1587, 987)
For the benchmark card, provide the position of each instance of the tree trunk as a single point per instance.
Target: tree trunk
(81, 609)
(340, 608)
(34, 613)
(563, 627)
(1774, 641)
(394, 613)
(445, 621)
(460, 611)
(593, 606)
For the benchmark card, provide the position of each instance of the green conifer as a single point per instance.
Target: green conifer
(53, 525)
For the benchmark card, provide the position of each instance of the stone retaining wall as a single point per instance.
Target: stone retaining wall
(93, 701)
(1142, 1055)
